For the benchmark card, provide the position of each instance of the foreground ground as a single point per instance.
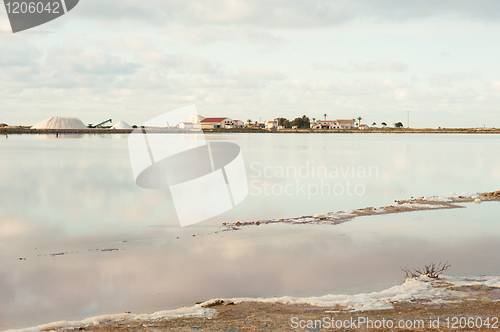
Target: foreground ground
(467, 307)
(254, 316)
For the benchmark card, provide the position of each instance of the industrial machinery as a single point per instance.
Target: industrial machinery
(100, 125)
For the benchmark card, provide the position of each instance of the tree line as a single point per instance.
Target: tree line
(305, 122)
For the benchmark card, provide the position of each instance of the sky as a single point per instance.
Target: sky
(258, 59)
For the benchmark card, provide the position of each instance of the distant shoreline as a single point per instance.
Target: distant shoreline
(26, 130)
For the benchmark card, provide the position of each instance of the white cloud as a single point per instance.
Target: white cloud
(278, 13)
(495, 86)
(328, 66)
(380, 66)
(16, 53)
(347, 87)
(364, 66)
(213, 34)
(255, 73)
(178, 62)
(449, 79)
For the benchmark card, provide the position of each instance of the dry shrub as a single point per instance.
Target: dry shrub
(432, 271)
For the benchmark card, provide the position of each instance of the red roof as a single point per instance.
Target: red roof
(213, 119)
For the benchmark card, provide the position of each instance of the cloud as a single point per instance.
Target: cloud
(208, 35)
(283, 14)
(365, 66)
(495, 86)
(346, 87)
(18, 54)
(178, 62)
(328, 66)
(449, 79)
(380, 66)
(73, 58)
(255, 73)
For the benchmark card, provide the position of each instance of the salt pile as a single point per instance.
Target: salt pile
(60, 123)
(121, 125)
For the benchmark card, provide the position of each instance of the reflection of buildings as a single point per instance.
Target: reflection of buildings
(333, 124)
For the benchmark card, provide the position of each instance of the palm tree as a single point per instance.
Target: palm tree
(374, 124)
(325, 115)
(249, 122)
(314, 119)
(359, 120)
(383, 124)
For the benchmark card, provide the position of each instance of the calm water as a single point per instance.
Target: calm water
(77, 196)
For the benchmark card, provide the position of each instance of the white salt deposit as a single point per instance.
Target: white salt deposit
(196, 311)
(422, 288)
(450, 196)
(122, 125)
(419, 205)
(60, 123)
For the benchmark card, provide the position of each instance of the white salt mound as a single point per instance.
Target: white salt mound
(121, 125)
(60, 123)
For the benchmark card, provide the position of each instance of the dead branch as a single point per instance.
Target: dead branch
(432, 271)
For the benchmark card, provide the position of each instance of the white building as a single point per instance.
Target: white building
(214, 123)
(271, 124)
(322, 124)
(344, 124)
(333, 124)
(195, 118)
(186, 125)
(239, 124)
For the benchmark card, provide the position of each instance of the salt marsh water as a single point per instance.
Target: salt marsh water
(66, 204)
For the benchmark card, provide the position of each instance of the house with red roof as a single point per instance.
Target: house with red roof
(213, 123)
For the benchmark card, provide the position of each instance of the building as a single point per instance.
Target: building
(322, 124)
(333, 124)
(195, 118)
(186, 125)
(238, 124)
(363, 126)
(344, 124)
(215, 123)
(271, 124)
